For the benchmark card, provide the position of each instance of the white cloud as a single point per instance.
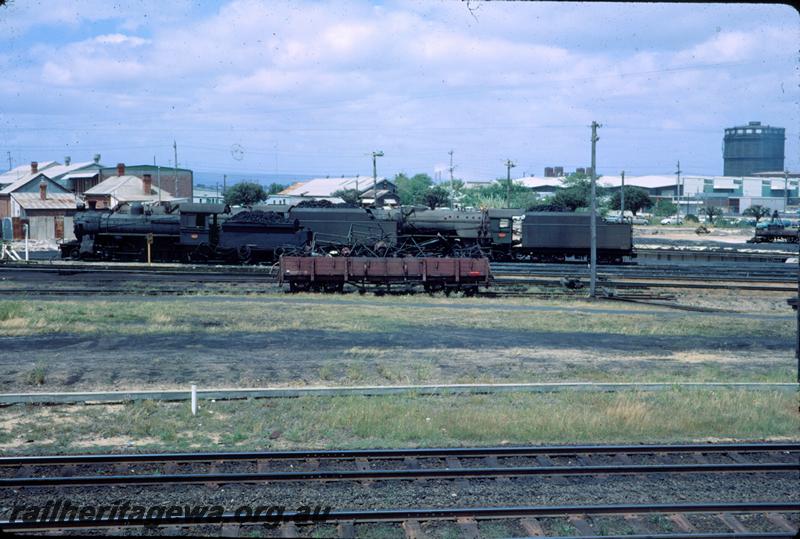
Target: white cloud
(121, 39)
(408, 74)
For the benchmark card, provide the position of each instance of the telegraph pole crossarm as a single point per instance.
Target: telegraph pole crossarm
(509, 166)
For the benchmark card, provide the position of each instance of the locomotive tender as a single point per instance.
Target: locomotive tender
(214, 232)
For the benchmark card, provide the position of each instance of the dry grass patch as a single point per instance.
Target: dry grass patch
(366, 315)
(400, 421)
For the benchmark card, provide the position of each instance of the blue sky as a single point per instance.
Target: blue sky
(314, 87)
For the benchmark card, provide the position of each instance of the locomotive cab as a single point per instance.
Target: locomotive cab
(200, 228)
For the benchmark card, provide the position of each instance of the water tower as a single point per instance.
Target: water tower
(753, 148)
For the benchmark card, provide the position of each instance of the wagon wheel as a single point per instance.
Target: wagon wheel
(245, 254)
(381, 248)
(75, 253)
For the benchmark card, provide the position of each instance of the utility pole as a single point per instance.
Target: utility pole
(224, 185)
(158, 179)
(375, 155)
(786, 195)
(175, 148)
(509, 166)
(622, 198)
(452, 187)
(593, 217)
(9, 160)
(678, 188)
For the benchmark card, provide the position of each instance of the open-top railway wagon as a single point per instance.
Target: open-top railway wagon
(330, 274)
(775, 231)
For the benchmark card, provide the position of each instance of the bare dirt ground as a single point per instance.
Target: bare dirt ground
(685, 236)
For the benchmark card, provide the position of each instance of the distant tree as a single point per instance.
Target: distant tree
(245, 194)
(275, 188)
(757, 211)
(576, 192)
(546, 205)
(494, 195)
(350, 196)
(456, 185)
(663, 207)
(636, 199)
(571, 198)
(412, 190)
(711, 212)
(437, 196)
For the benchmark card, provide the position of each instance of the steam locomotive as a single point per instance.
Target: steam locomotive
(215, 232)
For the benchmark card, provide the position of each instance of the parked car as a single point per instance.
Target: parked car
(674, 220)
(633, 220)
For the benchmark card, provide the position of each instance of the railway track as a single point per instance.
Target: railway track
(381, 464)
(764, 273)
(646, 255)
(745, 519)
(121, 278)
(682, 520)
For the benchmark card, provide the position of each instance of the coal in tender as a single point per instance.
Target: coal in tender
(258, 217)
(324, 204)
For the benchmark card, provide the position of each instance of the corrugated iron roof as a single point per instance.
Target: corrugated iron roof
(10, 188)
(327, 186)
(32, 201)
(55, 172)
(532, 182)
(23, 170)
(90, 173)
(127, 189)
(648, 182)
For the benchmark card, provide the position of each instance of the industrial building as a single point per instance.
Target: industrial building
(753, 148)
(732, 194)
(205, 195)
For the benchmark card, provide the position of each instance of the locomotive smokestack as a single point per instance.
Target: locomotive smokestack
(120, 169)
(43, 190)
(147, 183)
(34, 167)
